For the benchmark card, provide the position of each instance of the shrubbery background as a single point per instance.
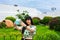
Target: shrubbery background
(48, 28)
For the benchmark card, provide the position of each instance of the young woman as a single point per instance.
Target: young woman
(28, 30)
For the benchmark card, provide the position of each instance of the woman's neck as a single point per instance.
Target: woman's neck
(29, 25)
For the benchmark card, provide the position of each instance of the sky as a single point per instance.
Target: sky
(42, 5)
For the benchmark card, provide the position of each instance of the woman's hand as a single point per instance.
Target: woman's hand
(18, 28)
(28, 28)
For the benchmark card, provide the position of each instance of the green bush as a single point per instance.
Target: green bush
(45, 20)
(57, 27)
(2, 25)
(10, 18)
(55, 24)
(47, 36)
(36, 20)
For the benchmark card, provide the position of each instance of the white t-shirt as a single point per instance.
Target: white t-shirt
(27, 34)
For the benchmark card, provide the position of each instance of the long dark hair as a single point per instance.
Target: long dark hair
(28, 18)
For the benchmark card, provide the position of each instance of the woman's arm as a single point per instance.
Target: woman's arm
(22, 23)
(18, 28)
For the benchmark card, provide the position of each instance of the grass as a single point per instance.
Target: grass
(10, 32)
(44, 33)
(41, 31)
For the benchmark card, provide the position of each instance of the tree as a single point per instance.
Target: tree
(36, 20)
(45, 20)
(55, 23)
(11, 18)
(23, 15)
(2, 25)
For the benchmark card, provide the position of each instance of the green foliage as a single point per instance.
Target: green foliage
(10, 18)
(36, 20)
(19, 16)
(45, 20)
(42, 33)
(55, 24)
(2, 25)
(7, 32)
(58, 17)
(22, 15)
(47, 36)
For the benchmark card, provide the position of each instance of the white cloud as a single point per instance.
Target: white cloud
(9, 10)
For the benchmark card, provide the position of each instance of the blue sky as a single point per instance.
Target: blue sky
(42, 5)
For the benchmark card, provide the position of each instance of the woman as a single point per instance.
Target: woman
(29, 29)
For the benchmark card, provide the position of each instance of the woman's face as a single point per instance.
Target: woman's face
(28, 22)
